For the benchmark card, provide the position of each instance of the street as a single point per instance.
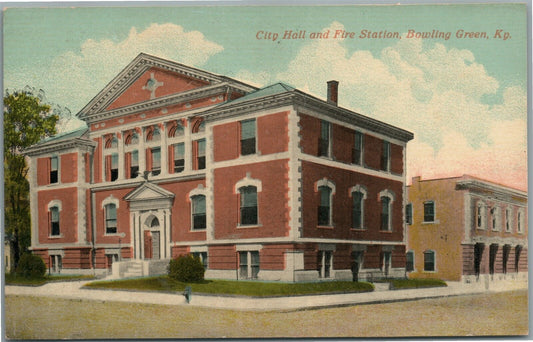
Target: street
(504, 313)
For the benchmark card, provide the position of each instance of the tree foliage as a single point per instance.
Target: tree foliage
(31, 266)
(27, 120)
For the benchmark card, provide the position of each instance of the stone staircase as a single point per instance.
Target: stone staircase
(133, 270)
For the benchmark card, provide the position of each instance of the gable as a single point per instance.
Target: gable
(154, 83)
(148, 191)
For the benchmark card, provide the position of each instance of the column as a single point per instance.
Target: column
(142, 153)
(164, 151)
(120, 151)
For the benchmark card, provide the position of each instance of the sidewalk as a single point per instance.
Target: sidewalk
(73, 290)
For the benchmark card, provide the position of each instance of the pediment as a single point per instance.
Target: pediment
(147, 78)
(148, 191)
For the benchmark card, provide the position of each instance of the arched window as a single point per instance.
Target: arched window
(176, 131)
(111, 142)
(480, 215)
(385, 213)
(248, 207)
(154, 223)
(198, 210)
(429, 261)
(153, 134)
(53, 213)
(110, 218)
(132, 139)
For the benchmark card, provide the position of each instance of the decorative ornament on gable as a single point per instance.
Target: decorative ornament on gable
(151, 85)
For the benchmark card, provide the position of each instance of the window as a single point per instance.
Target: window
(409, 213)
(357, 210)
(520, 221)
(248, 265)
(198, 212)
(385, 213)
(493, 250)
(357, 155)
(153, 134)
(429, 261)
(200, 156)
(324, 142)
(495, 218)
(110, 218)
(324, 262)
(410, 261)
(248, 205)
(131, 139)
(156, 161)
(480, 215)
(248, 137)
(508, 220)
(203, 258)
(54, 169)
(385, 156)
(179, 157)
(134, 163)
(56, 263)
(54, 221)
(176, 131)
(429, 211)
(324, 208)
(112, 167)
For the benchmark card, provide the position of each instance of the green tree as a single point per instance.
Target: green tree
(27, 120)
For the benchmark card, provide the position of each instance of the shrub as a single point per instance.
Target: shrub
(186, 268)
(31, 266)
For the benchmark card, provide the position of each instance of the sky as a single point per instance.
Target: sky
(454, 75)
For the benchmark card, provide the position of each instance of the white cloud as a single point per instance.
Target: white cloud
(77, 76)
(433, 91)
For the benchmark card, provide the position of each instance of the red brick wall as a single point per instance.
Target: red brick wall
(309, 134)
(343, 143)
(226, 141)
(43, 171)
(123, 216)
(68, 216)
(69, 167)
(179, 250)
(272, 257)
(77, 258)
(273, 211)
(272, 133)
(373, 149)
(396, 165)
(181, 211)
(342, 204)
(97, 164)
(223, 257)
(172, 84)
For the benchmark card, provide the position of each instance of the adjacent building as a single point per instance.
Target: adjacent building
(269, 183)
(463, 227)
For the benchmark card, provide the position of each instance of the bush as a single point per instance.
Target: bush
(31, 266)
(186, 268)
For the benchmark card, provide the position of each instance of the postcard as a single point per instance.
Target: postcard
(265, 171)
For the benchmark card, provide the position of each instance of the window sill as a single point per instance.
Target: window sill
(431, 222)
(358, 229)
(55, 236)
(114, 234)
(326, 227)
(198, 229)
(385, 231)
(245, 226)
(429, 271)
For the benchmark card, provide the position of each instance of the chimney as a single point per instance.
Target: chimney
(333, 92)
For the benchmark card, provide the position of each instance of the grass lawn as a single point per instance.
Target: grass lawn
(228, 287)
(11, 279)
(401, 284)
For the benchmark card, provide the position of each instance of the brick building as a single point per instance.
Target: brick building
(267, 183)
(463, 227)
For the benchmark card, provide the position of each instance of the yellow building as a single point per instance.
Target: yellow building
(459, 228)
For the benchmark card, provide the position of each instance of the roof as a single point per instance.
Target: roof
(77, 133)
(75, 138)
(274, 89)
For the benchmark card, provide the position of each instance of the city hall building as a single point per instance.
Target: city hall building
(269, 184)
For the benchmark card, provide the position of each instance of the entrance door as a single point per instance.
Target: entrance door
(155, 246)
(147, 244)
(478, 254)
(386, 263)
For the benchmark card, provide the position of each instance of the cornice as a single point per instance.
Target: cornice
(480, 187)
(301, 99)
(164, 101)
(54, 146)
